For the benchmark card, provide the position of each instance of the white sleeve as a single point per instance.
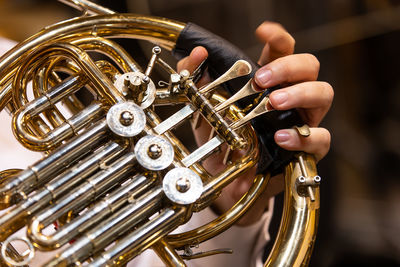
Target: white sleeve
(6, 44)
(246, 242)
(14, 154)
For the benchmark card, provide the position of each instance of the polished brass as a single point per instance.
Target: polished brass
(303, 130)
(262, 108)
(108, 205)
(294, 245)
(240, 68)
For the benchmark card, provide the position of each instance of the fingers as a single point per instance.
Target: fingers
(317, 143)
(315, 99)
(278, 42)
(190, 63)
(312, 98)
(289, 69)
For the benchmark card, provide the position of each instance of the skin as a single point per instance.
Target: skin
(297, 75)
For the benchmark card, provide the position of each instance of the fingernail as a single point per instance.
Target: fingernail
(279, 97)
(282, 136)
(263, 77)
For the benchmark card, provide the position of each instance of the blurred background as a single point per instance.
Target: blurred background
(357, 43)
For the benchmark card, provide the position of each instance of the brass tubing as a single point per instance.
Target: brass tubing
(110, 229)
(12, 253)
(108, 69)
(168, 254)
(104, 86)
(8, 174)
(67, 87)
(110, 49)
(77, 198)
(28, 180)
(87, 6)
(71, 177)
(5, 176)
(85, 117)
(215, 119)
(296, 237)
(90, 43)
(101, 83)
(14, 218)
(27, 72)
(36, 125)
(66, 130)
(71, 101)
(24, 115)
(6, 92)
(140, 239)
(224, 221)
(40, 85)
(99, 211)
(43, 75)
(48, 76)
(162, 31)
(233, 170)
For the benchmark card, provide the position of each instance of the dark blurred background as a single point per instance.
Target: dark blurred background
(357, 43)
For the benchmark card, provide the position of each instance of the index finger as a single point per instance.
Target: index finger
(278, 42)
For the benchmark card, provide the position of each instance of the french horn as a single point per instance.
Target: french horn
(114, 176)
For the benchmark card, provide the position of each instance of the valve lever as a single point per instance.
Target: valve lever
(198, 72)
(262, 107)
(189, 254)
(247, 90)
(240, 68)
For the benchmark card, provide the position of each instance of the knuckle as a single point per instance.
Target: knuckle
(284, 69)
(299, 93)
(283, 43)
(273, 24)
(329, 91)
(292, 42)
(313, 63)
(325, 139)
(287, 72)
(319, 143)
(266, 28)
(275, 34)
(295, 142)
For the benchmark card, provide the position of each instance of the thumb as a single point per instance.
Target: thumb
(191, 62)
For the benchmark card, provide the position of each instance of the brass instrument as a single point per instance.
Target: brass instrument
(115, 177)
